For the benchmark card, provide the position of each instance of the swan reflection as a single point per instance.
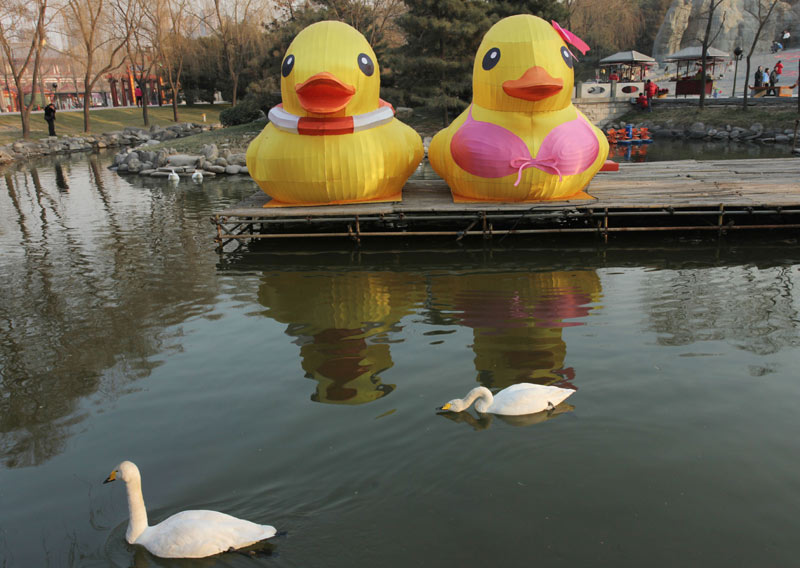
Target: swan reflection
(483, 421)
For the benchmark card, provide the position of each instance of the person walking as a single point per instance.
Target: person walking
(138, 93)
(778, 69)
(50, 117)
(651, 90)
(773, 78)
(785, 39)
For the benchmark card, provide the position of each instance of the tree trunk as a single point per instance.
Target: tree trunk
(87, 96)
(175, 104)
(145, 115)
(235, 77)
(145, 97)
(704, 54)
(746, 82)
(24, 117)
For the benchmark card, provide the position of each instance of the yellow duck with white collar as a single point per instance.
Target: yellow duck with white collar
(332, 140)
(521, 139)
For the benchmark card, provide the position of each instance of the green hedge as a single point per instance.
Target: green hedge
(242, 113)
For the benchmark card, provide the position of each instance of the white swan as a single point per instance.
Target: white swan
(522, 398)
(173, 177)
(189, 534)
(197, 176)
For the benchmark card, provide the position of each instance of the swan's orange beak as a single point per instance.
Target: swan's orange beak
(444, 407)
(111, 477)
(323, 93)
(535, 84)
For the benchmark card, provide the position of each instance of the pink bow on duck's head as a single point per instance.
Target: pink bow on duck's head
(571, 38)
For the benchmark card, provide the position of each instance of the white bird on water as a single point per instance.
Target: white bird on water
(197, 176)
(173, 177)
(522, 398)
(188, 534)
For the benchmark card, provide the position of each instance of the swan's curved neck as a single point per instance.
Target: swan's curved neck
(138, 514)
(482, 395)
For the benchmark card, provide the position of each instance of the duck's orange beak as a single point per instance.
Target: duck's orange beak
(534, 85)
(323, 93)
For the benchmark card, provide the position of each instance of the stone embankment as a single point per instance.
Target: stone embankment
(163, 162)
(129, 136)
(754, 134)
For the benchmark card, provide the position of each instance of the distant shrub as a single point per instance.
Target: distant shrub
(265, 93)
(242, 113)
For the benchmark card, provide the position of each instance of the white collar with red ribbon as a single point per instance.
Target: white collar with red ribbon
(322, 126)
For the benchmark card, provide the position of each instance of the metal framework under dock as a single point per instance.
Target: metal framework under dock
(687, 195)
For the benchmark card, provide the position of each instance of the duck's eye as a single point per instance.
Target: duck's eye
(287, 66)
(491, 58)
(365, 64)
(567, 57)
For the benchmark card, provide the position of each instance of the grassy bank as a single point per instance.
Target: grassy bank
(235, 138)
(104, 120)
(769, 118)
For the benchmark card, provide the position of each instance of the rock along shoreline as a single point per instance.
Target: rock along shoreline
(135, 158)
(210, 162)
(128, 136)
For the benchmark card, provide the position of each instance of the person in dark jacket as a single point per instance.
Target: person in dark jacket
(50, 117)
(773, 78)
(758, 78)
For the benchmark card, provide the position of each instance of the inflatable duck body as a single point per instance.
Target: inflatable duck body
(521, 139)
(332, 140)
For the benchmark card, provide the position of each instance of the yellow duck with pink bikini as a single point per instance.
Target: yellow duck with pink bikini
(332, 140)
(521, 139)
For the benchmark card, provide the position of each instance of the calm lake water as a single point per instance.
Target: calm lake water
(298, 388)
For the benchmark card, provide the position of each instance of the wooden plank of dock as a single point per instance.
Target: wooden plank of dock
(685, 183)
(659, 186)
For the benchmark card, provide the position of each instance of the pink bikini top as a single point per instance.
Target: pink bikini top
(491, 151)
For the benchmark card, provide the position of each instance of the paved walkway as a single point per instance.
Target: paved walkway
(790, 59)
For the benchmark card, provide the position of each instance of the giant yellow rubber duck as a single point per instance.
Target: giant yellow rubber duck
(332, 140)
(521, 139)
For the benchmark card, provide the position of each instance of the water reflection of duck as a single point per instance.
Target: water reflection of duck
(518, 319)
(341, 320)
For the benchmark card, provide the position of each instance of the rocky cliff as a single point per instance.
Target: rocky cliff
(685, 22)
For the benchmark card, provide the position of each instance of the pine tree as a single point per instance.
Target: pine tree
(434, 68)
(546, 9)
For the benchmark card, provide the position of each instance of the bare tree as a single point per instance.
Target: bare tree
(707, 40)
(141, 22)
(606, 24)
(173, 30)
(237, 24)
(14, 18)
(98, 46)
(761, 13)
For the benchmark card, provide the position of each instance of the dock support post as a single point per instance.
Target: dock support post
(463, 233)
(356, 236)
(720, 219)
(217, 221)
(605, 225)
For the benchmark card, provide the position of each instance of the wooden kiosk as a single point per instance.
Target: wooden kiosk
(687, 73)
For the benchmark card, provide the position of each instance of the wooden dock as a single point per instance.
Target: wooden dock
(687, 195)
